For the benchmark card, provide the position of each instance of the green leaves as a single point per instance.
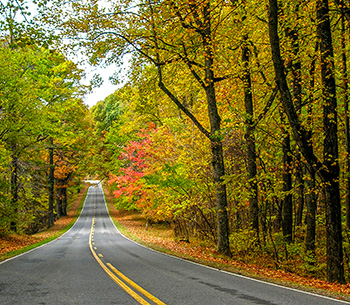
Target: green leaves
(39, 100)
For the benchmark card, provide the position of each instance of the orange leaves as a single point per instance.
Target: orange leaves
(63, 169)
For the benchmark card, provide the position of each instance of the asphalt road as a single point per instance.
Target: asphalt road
(94, 264)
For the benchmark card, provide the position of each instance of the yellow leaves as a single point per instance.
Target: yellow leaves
(63, 169)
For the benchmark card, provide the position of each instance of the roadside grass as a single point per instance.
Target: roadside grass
(161, 238)
(16, 244)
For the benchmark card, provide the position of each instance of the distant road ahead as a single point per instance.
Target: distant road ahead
(94, 264)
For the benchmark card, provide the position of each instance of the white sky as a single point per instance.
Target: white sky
(107, 87)
(99, 94)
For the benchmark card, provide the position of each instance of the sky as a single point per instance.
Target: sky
(107, 88)
(99, 94)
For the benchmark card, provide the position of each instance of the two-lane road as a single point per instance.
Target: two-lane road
(94, 264)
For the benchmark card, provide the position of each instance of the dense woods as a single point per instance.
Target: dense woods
(43, 127)
(233, 127)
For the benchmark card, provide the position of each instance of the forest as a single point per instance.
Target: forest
(232, 126)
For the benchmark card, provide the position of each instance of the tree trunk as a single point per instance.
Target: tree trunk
(347, 131)
(250, 143)
(311, 196)
(51, 182)
(216, 144)
(218, 164)
(14, 190)
(287, 203)
(64, 200)
(221, 198)
(335, 267)
(59, 209)
(311, 206)
(297, 90)
(79, 185)
(301, 191)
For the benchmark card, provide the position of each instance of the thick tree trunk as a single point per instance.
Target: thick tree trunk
(59, 209)
(347, 127)
(335, 267)
(216, 144)
(250, 143)
(330, 175)
(311, 206)
(221, 198)
(64, 201)
(218, 164)
(311, 196)
(297, 90)
(301, 191)
(287, 203)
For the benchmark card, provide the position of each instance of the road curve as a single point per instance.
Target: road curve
(94, 264)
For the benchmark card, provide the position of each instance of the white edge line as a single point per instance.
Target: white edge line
(219, 270)
(31, 250)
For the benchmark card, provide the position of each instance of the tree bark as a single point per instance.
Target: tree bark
(311, 196)
(335, 267)
(14, 189)
(51, 182)
(299, 133)
(287, 203)
(347, 125)
(250, 142)
(64, 201)
(311, 206)
(301, 191)
(223, 244)
(59, 209)
(297, 91)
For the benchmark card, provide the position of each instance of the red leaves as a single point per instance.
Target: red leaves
(129, 179)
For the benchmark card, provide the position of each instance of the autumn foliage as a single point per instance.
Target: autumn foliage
(233, 126)
(264, 72)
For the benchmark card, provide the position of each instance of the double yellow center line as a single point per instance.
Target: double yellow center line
(124, 282)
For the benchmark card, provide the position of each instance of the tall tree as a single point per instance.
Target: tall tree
(143, 32)
(202, 24)
(328, 170)
(250, 139)
(345, 86)
(287, 201)
(18, 115)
